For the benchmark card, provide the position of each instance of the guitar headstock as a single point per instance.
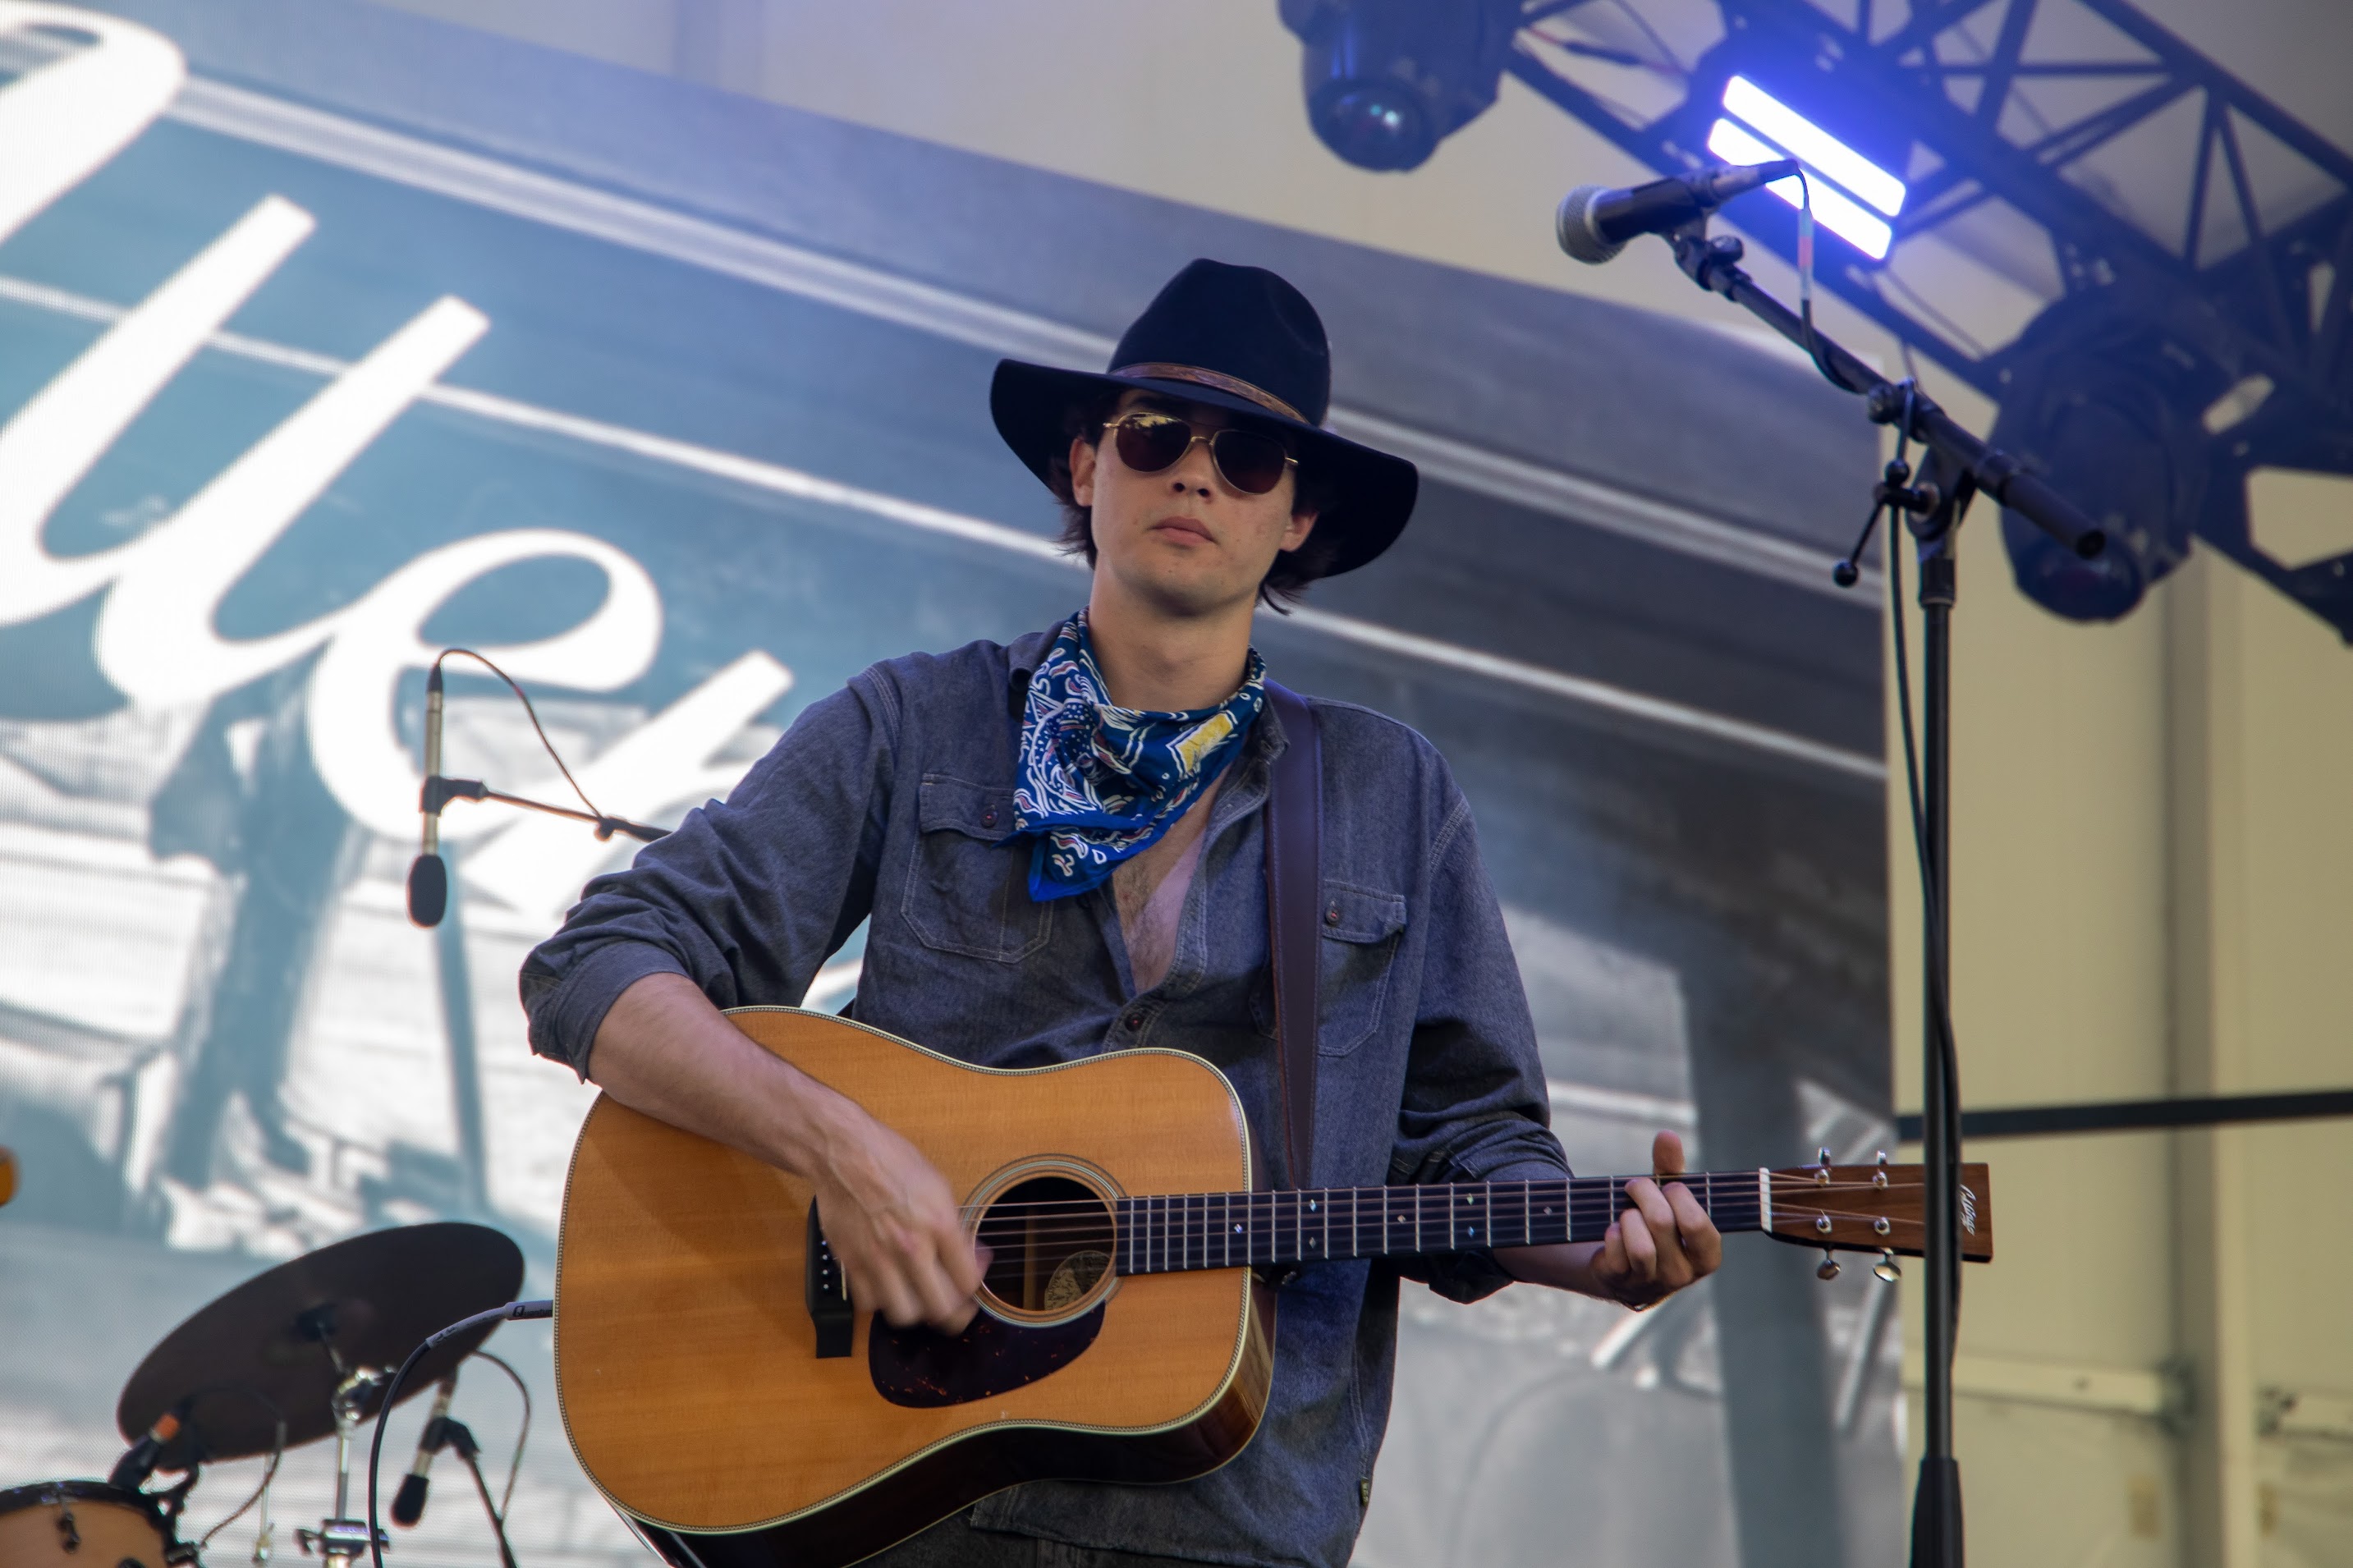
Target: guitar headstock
(1875, 1209)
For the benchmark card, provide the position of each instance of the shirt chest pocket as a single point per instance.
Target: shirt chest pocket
(965, 893)
(1360, 929)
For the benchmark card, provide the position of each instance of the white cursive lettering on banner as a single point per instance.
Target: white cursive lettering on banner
(63, 124)
(54, 441)
(157, 638)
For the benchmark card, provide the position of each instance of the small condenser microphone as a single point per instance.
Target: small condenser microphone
(428, 876)
(131, 1470)
(408, 1506)
(1596, 221)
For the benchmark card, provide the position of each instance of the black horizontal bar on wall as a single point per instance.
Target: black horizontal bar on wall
(2142, 1115)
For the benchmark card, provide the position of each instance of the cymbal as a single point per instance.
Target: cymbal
(262, 1351)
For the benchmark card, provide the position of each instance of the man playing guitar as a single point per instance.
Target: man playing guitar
(1057, 847)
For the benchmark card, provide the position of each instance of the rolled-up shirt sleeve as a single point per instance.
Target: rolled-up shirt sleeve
(1475, 1106)
(748, 896)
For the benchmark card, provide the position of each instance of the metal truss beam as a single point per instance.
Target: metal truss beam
(1972, 84)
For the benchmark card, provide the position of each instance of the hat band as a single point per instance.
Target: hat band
(1153, 370)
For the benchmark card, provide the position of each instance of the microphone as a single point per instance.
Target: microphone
(139, 1461)
(428, 876)
(1595, 221)
(409, 1507)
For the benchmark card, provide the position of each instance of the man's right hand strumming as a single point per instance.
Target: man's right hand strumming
(663, 1049)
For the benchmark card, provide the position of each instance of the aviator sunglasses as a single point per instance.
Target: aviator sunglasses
(1149, 442)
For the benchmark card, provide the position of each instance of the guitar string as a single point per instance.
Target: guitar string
(1178, 1226)
(1746, 1179)
(1180, 1207)
(1093, 1220)
(1182, 1217)
(1108, 1233)
(1187, 1243)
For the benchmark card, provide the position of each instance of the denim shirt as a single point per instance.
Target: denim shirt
(891, 800)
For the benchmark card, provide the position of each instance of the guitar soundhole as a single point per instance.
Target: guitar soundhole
(1050, 1239)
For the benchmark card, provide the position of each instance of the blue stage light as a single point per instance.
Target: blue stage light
(1759, 128)
(1816, 148)
(1834, 208)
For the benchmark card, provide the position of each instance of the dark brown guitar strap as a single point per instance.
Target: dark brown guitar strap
(1295, 857)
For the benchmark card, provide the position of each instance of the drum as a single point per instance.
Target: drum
(84, 1524)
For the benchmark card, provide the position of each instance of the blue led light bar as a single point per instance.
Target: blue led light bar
(1834, 208)
(1817, 149)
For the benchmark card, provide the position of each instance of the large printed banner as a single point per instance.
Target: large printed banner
(277, 429)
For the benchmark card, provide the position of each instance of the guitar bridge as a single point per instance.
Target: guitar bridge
(827, 1292)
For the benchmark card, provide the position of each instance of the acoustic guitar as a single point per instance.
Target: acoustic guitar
(722, 1390)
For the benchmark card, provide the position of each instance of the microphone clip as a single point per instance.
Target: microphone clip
(1707, 260)
(448, 1431)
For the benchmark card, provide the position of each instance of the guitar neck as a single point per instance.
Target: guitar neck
(1237, 1230)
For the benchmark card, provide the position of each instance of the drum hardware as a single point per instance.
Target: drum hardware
(341, 1538)
(294, 1355)
(285, 1341)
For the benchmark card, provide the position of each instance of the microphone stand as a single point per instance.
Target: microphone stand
(439, 791)
(1959, 467)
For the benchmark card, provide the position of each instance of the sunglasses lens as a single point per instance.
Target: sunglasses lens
(1151, 442)
(1251, 462)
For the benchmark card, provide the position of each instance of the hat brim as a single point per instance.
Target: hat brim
(1373, 492)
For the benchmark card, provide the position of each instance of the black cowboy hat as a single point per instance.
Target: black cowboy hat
(1240, 339)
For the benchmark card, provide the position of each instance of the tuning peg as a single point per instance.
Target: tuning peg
(1886, 1270)
(1823, 1155)
(1829, 1266)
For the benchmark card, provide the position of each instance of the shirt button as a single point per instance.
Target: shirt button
(988, 817)
(1332, 914)
(1134, 1020)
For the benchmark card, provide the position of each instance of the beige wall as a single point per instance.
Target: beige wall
(2152, 832)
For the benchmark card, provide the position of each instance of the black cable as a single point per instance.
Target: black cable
(511, 1311)
(526, 698)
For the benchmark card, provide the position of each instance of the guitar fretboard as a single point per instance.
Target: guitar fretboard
(1238, 1230)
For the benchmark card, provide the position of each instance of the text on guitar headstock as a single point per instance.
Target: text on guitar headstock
(1876, 1208)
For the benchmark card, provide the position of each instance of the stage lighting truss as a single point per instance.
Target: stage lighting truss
(2026, 156)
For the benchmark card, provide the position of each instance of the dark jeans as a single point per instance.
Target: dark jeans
(955, 1543)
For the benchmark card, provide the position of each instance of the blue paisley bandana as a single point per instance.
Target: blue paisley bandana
(1098, 784)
